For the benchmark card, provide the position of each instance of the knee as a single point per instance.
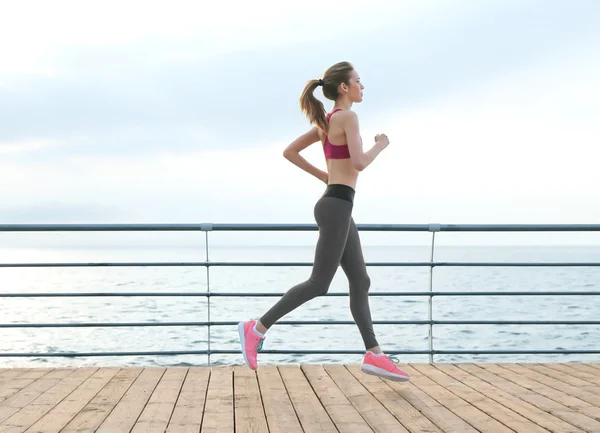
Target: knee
(319, 286)
(362, 284)
(321, 290)
(366, 283)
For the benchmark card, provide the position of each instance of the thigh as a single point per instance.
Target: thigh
(334, 218)
(353, 262)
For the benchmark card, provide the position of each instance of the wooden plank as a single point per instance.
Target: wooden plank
(218, 412)
(96, 410)
(65, 386)
(18, 380)
(373, 412)
(33, 390)
(249, 411)
(54, 414)
(312, 415)
(583, 367)
(43, 403)
(568, 369)
(462, 387)
(10, 372)
(526, 390)
(157, 412)
(343, 414)
(595, 365)
(441, 398)
(444, 418)
(124, 415)
(569, 377)
(570, 396)
(7, 374)
(280, 413)
(412, 419)
(189, 409)
(477, 378)
(480, 420)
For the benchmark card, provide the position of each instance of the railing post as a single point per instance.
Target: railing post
(432, 228)
(206, 228)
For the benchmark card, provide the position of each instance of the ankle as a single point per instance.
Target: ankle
(375, 350)
(260, 328)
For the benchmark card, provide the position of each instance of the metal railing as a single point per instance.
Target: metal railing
(207, 263)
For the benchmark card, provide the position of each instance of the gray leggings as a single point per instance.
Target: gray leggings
(338, 244)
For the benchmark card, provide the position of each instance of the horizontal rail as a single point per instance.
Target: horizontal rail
(301, 322)
(207, 264)
(305, 352)
(293, 264)
(279, 294)
(300, 227)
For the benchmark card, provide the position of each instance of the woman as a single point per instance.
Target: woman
(338, 242)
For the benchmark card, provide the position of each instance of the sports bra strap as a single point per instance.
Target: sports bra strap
(330, 114)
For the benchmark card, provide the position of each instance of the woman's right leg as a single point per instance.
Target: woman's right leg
(333, 217)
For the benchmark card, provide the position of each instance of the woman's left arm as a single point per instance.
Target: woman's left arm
(292, 153)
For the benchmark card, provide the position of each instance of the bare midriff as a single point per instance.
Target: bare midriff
(341, 171)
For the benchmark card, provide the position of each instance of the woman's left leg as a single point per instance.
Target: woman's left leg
(375, 361)
(353, 264)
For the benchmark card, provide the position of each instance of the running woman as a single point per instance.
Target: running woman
(338, 240)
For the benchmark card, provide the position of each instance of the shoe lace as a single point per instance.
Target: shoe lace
(259, 345)
(393, 359)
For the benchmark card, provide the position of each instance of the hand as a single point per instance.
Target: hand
(382, 140)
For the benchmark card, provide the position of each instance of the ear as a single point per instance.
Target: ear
(344, 87)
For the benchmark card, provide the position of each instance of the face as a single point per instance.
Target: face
(353, 91)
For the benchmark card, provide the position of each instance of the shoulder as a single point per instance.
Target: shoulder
(347, 118)
(346, 115)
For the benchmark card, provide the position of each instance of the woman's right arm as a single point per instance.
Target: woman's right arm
(361, 159)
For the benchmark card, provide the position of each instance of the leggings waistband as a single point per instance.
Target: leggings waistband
(340, 191)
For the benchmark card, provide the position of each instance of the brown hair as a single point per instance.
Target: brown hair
(333, 77)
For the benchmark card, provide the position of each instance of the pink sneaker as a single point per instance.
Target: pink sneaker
(384, 367)
(251, 342)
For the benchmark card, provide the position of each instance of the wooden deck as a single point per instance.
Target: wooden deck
(459, 398)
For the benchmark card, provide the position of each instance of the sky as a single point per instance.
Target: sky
(139, 112)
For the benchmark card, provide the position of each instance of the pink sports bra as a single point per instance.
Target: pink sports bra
(333, 151)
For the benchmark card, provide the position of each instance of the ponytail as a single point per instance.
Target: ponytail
(333, 77)
(311, 106)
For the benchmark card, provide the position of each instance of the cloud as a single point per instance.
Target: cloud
(521, 135)
(25, 146)
(185, 29)
(492, 110)
(46, 211)
(404, 185)
(150, 91)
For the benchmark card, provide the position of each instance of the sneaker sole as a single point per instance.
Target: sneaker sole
(376, 371)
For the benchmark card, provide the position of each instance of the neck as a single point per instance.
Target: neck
(343, 104)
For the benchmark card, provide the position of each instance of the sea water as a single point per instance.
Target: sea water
(281, 278)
